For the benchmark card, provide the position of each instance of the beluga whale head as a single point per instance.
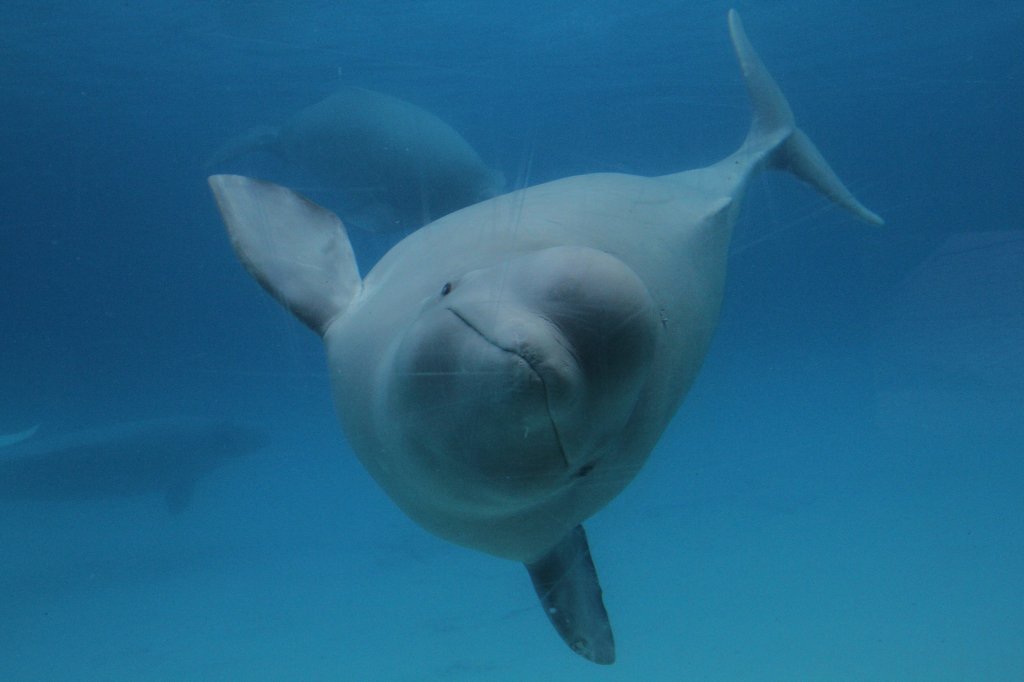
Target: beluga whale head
(505, 371)
(514, 379)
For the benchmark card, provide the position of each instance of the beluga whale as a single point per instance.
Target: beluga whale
(395, 165)
(505, 371)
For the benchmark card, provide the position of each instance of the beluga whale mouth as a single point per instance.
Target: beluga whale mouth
(534, 364)
(553, 366)
(499, 445)
(583, 321)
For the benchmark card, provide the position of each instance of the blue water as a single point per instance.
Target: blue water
(839, 498)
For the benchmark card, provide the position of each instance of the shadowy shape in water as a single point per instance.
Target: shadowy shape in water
(12, 438)
(162, 455)
(397, 166)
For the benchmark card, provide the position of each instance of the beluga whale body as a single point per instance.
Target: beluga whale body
(505, 371)
(396, 165)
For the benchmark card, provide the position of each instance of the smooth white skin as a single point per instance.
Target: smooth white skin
(669, 233)
(514, 379)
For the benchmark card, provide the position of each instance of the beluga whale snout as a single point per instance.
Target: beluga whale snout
(505, 371)
(535, 364)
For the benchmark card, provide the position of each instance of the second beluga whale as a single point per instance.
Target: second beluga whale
(396, 165)
(505, 371)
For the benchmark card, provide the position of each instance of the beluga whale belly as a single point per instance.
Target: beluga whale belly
(505, 371)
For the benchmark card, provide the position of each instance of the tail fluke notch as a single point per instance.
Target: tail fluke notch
(773, 132)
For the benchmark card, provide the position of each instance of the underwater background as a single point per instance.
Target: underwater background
(841, 496)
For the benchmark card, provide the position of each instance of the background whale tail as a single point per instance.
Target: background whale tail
(12, 438)
(774, 136)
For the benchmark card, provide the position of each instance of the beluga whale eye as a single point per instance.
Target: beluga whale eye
(446, 289)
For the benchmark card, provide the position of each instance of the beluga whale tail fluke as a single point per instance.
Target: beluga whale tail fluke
(505, 371)
(774, 138)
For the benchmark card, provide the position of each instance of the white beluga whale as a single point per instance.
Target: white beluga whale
(505, 371)
(396, 165)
